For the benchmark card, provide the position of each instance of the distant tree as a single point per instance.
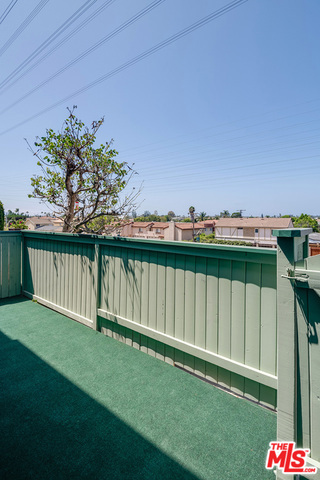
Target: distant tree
(306, 221)
(152, 218)
(134, 214)
(202, 216)
(16, 215)
(225, 213)
(187, 220)
(1, 216)
(171, 214)
(234, 214)
(156, 213)
(146, 213)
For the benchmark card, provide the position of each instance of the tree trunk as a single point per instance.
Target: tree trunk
(71, 204)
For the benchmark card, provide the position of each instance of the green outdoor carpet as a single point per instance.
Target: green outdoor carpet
(78, 405)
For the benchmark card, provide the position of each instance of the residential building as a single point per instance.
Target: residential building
(50, 224)
(257, 231)
(180, 231)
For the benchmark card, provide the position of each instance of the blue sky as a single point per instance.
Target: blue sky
(227, 117)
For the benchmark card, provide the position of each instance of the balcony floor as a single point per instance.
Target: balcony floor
(78, 405)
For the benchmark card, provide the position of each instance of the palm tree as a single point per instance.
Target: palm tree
(191, 213)
(225, 213)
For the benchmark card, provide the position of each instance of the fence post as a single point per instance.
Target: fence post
(292, 248)
(97, 279)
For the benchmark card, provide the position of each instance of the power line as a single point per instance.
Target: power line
(196, 175)
(162, 150)
(23, 26)
(159, 46)
(226, 124)
(85, 22)
(7, 10)
(221, 156)
(101, 42)
(65, 25)
(234, 179)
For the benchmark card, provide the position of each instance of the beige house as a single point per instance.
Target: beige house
(45, 224)
(153, 230)
(180, 231)
(184, 231)
(257, 231)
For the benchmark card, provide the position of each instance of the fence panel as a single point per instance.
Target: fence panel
(10, 264)
(61, 272)
(208, 309)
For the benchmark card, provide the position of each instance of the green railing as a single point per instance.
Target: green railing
(10, 264)
(208, 308)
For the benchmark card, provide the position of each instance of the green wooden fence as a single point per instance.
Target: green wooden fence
(207, 308)
(10, 264)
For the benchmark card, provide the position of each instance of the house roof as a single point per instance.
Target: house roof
(160, 224)
(40, 220)
(188, 225)
(141, 224)
(209, 223)
(314, 238)
(254, 222)
(45, 221)
(151, 224)
(50, 228)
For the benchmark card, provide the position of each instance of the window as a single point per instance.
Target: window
(140, 230)
(158, 230)
(256, 230)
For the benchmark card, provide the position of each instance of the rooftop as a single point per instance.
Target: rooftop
(83, 405)
(254, 222)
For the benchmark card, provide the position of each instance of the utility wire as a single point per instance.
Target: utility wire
(138, 58)
(58, 45)
(196, 175)
(7, 10)
(214, 127)
(101, 42)
(23, 26)
(169, 166)
(217, 181)
(65, 25)
(161, 150)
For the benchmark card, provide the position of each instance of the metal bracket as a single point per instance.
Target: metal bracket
(303, 277)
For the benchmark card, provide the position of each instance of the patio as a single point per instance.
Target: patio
(76, 404)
